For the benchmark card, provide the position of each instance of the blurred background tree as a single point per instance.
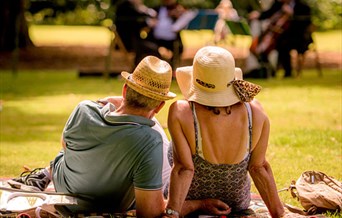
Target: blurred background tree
(326, 14)
(13, 25)
(16, 15)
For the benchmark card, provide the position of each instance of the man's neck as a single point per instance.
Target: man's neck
(124, 109)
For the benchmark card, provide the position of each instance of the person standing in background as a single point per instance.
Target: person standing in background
(289, 28)
(226, 12)
(132, 18)
(171, 19)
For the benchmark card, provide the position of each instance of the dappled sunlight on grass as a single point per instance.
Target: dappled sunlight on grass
(69, 35)
(52, 105)
(33, 153)
(296, 107)
(328, 41)
(295, 103)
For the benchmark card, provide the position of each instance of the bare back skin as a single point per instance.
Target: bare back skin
(219, 146)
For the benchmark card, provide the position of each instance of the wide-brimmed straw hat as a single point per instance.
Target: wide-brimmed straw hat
(152, 78)
(213, 80)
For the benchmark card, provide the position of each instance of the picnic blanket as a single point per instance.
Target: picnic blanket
(30, 204)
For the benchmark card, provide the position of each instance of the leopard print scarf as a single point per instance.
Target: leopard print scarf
(245, 90)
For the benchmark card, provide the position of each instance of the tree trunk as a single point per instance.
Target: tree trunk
(13, 26)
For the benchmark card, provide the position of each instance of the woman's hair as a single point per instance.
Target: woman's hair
(136, 100)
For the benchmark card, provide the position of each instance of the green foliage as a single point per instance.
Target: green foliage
(326, 14)
(66, 12)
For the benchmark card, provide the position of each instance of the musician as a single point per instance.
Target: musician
(171, 19)
(293, 33)
(244, 7)
(226, 11)
(132, 18)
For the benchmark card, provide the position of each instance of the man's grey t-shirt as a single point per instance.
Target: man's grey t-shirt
(107, 156)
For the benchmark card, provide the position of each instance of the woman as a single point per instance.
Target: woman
(219, 135)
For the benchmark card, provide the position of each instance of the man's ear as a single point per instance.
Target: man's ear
(160, 106)
(124, 90)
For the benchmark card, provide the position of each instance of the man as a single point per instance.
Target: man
(289, 28)
(112, 159)
(244, 7)
(132, 18)
(171, 19)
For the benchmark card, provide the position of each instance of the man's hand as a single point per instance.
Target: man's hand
(116, 100)
(215, 206)
(287, 9)
(254, 15)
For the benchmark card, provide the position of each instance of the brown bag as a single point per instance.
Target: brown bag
(317, 192)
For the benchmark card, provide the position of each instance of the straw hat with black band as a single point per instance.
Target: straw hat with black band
(152, 78)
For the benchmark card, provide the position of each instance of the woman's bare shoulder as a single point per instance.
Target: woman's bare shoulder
(179, 108)
(180, 105)
(258, 110)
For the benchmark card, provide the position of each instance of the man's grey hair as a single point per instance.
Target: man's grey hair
(136, 100)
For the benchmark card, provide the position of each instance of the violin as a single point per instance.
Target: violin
(266, 42)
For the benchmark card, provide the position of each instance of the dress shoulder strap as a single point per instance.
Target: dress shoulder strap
(198, 135)
(250, 125)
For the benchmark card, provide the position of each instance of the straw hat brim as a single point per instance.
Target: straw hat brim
(144, 91)
(191, 92)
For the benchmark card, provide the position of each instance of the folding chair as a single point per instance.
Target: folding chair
(239, 27)
(301, 60)
(205, 19)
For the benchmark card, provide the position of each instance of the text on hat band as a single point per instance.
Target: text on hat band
(204, 84)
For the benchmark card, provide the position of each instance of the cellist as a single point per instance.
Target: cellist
(289, 21)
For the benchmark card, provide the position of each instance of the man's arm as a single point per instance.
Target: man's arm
(149, 203)
(63, 143)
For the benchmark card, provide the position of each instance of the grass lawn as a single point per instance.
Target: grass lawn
(305, 115)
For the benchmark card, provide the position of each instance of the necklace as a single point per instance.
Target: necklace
(228, 110)
(217, 111)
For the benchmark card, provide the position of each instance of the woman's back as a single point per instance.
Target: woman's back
(224, 136)
(220, 159)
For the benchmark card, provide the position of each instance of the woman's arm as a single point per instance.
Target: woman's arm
(183, 168)
(259, 169)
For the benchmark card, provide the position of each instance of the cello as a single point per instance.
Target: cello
(266, 42)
